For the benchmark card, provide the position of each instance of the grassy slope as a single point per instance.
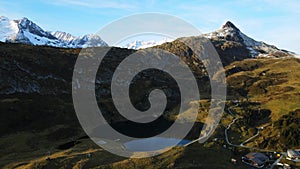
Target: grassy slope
(272, 82)
(273, 87)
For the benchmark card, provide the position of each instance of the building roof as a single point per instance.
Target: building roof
(258, 158)
(293, 153)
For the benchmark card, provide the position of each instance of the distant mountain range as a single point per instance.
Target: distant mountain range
(27, 32)
(227, 37)
(140, 44)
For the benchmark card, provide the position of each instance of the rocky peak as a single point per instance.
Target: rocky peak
(233, 43)
(25, 23)
(230, 25)
(63, 36)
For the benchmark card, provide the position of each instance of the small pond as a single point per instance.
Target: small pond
(153, 143)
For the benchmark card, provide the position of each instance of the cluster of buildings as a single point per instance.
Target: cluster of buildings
(260, 160)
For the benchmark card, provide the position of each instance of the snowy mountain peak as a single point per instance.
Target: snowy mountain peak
(27, 32)
(89, 40)
(63, 36)
(24, 19)
(230, 34)
(25, 23)
(230, 25)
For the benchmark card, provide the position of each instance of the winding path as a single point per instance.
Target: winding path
(242, 144)
(257, 133)
(246, 141)
(226, 133)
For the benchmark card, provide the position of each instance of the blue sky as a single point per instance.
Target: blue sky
(273, 21)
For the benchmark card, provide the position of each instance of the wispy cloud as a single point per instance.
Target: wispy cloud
(95, 4)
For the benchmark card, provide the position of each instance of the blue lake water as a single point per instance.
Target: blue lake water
(153, 143)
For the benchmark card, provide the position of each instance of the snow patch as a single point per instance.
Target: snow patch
(38, 40)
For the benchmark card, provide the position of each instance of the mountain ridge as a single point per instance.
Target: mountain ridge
(27, 32)
(230, 33)
(227, 38)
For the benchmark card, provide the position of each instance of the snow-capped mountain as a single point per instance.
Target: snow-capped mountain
(230, 33)
(71, 41)
(140, 44)
(229, 41)
(228, 36)
(63, 36)
(27, 32)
